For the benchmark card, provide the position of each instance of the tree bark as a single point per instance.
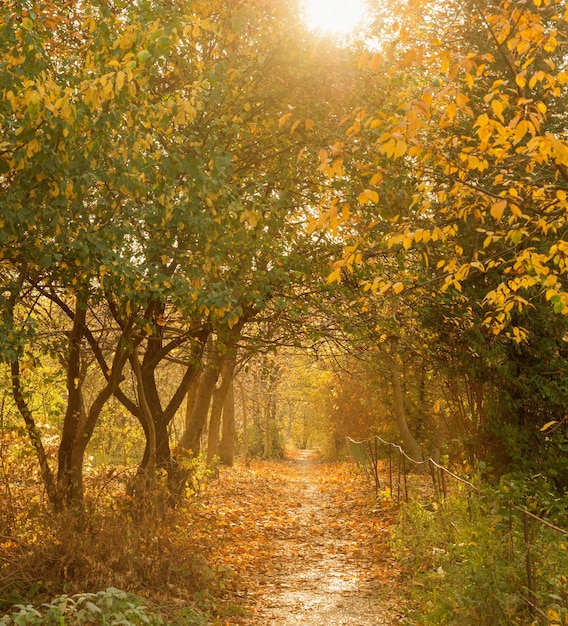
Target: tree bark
(227, 448)
(410, 443)
(245, 423)
(33, 434)
(69, 476)
(219, 395)
(190, 441)
(25, 411)
(267, 416)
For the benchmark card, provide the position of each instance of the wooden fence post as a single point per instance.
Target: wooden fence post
(390, 471)
(530, 565)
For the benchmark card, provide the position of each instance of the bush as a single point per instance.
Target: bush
(467, 558)
(113, 607)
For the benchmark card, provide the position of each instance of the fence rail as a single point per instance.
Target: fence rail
(368, 457)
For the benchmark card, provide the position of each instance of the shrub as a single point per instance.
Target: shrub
(467, 557)
(112, 606)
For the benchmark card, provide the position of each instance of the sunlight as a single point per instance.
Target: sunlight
(336, 17)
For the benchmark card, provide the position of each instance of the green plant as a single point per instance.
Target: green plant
(467, 556)
(112, 606)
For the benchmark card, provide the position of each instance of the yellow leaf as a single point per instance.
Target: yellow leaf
(427, 96)
(335, 276)
(400, 148)
(376, 62)
(520, 131)
(515, 210)
(388, 148)
(398, 288)
(497, 107)
(461, 100)
(551, 293)
(368, 196)
(363, 60)
(284, 119)
(498, 208)
(120, 77)
(482, 120)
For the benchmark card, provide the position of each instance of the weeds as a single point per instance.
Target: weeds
(112, 606)
(117, 542)
(467, 556)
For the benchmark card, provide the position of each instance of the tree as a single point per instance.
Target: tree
(157, 170)
(462, 215)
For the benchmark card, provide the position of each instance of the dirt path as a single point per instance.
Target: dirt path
(316, 553)
(322, 581)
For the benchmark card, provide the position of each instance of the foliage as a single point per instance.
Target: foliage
(111, 606)
(157, 170)
(450, 190)
(466, 557)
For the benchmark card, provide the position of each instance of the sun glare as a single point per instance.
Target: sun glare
(335, 17)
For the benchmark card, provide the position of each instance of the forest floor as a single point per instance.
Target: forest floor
(305, 543)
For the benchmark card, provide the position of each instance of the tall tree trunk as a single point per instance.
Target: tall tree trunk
(245, 423)
(227, 448)
(267, 415)
(69, 476)
(412, 448)
(149, 417)
(33, 434)
(226, 373)
(25, 411)
(190, 441)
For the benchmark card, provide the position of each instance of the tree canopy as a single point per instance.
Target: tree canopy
(186, 185)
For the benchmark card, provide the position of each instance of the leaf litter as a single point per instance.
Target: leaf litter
(302, 542)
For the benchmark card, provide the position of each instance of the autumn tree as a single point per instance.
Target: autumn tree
(157, 175)
(473, 155)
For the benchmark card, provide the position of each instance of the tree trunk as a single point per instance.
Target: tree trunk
(227, 448)
(149, 416)
(190, 441)
(412, 448)
(267, 415)
(69, 476)
(219, 395)
(33, 434)
(245, 423)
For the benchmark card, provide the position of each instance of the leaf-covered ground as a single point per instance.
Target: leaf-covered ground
(305, 543)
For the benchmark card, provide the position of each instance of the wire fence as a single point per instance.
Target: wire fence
(367, 455)
(390, 470)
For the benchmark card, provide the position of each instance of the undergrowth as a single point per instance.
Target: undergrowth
(467, 556)
(52, 567)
